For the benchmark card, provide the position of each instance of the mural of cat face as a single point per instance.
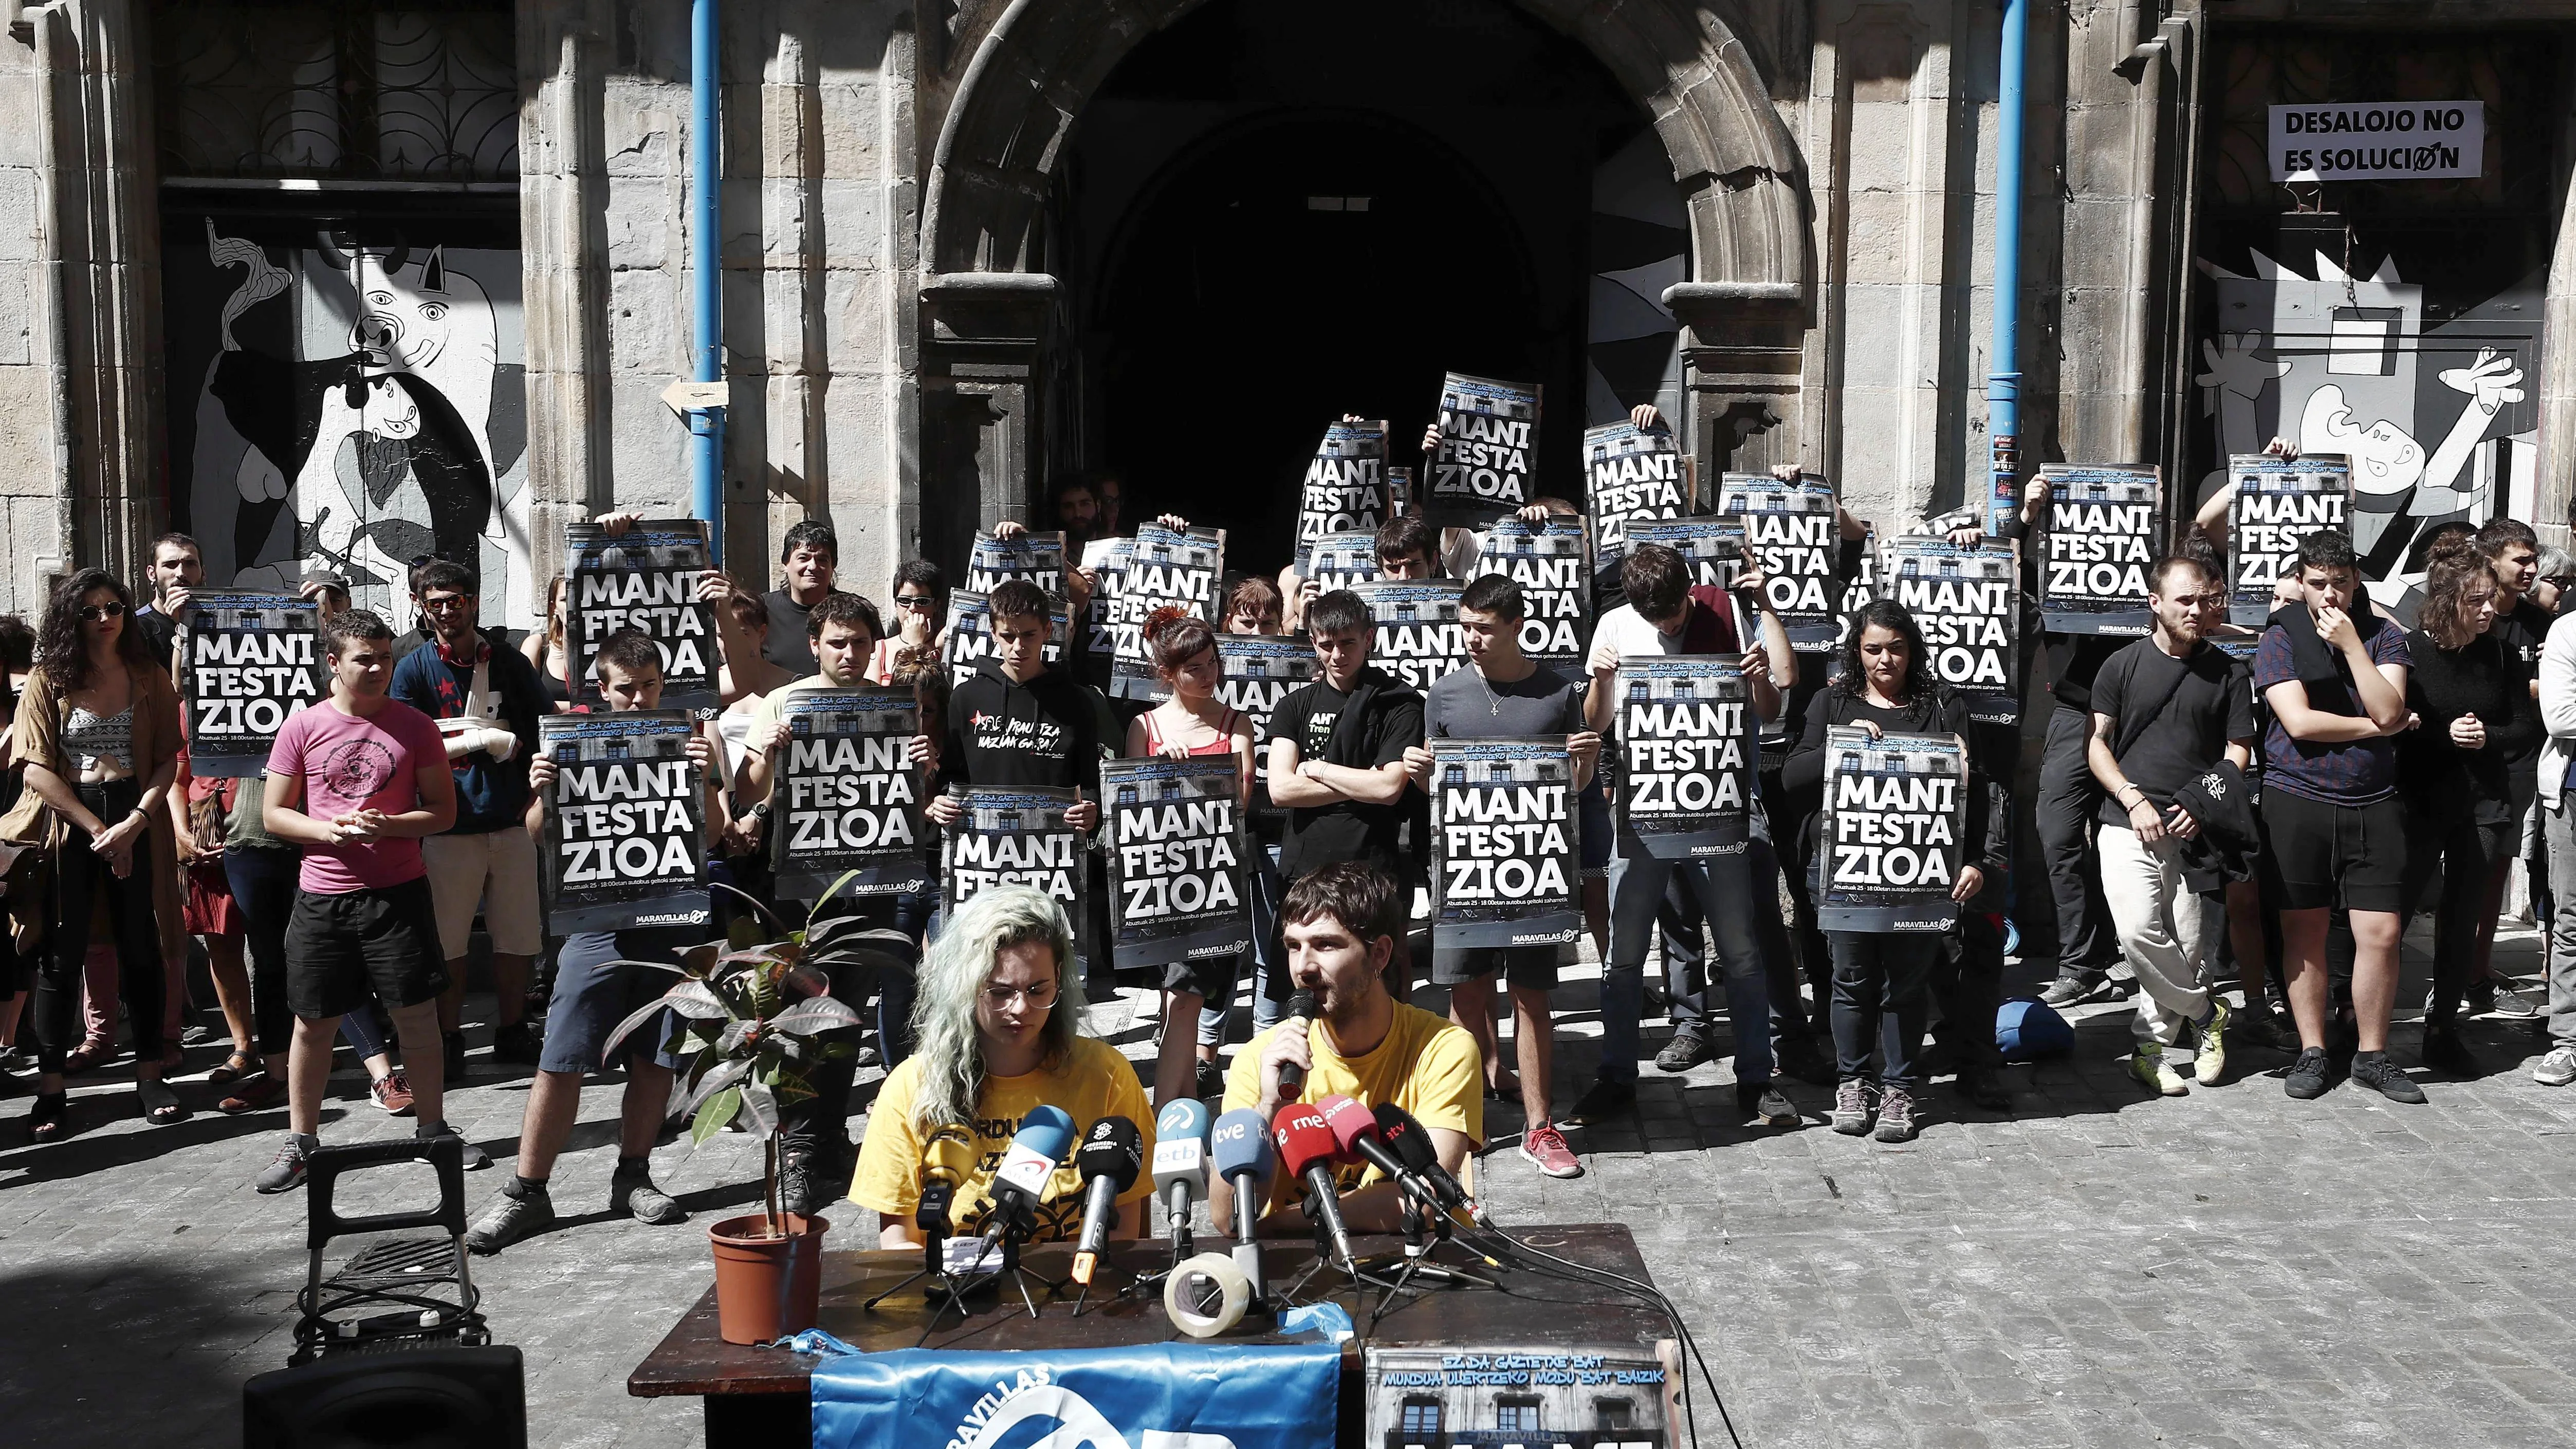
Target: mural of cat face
(434, 323)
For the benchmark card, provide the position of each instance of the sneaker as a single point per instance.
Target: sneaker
(286, 1169)
(2072, 987)
(1763, 1101)
(1606, 1100)
(2558, 1068)
(2211, 1063)
(1983, 1089)
(455, 1043)
(392, 1092)
(1896, 1120)
(632, 1194)
(1851, 1108)
(2309, 1076)
(1800, 1057)
(2375, 1071)
(2444, 1052)
(2258, 1025)
(1544, 1148)
(522, 1211)
(2148, 1065)
(476, 1159)
(2497, 995)
(868, 1056)
(1686, 1050)
(1210, 1081)
(515, 1043)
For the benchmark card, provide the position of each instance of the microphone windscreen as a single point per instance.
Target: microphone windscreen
(1407, 1136)
(1046, 1130)
(1187, 1117)
(1303, 1139)
(1240, 1143)
(1350, 1122)
(1114, 1149)
(951, 1152)
(1300, 1003)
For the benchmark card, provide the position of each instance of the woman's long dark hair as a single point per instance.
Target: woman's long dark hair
(1851, 679)
(61, 656)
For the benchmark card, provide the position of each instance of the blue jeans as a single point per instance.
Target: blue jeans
(1724, 886)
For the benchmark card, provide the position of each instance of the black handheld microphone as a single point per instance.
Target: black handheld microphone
(1110, 1156)
(1300, 1018)
(1412, 1142)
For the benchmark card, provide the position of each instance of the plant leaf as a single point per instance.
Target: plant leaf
(713, 1114)
(830, 891)
(761, 1106)
(695, 1000)
(791, 1089)
(814, 1015)
(756, 904)
(718, 1080)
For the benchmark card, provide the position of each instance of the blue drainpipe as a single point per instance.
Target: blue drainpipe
(706, 148)
(2003, 386)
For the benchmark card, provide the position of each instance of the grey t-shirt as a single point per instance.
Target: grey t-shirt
(1464, 705)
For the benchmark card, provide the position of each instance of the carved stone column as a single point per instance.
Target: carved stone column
(1742, 356)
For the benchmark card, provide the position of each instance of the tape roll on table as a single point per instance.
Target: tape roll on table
(1182, 1293)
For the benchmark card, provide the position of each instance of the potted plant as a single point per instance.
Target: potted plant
(750, 1018)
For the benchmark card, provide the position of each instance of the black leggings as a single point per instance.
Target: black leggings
(2463, 853)
(81, 877)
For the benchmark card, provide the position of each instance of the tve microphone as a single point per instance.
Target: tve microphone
(1180, 1167)
(1355, 1130)
(1020, 1184)
(1110, 1156)
(1412, 1144)
(1300, 1018)
(1307, 1150)
(1240, 1149)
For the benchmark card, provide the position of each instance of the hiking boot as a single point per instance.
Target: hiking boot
(1763, 1101)
(2148, 1065)
(2211, 1063)
(1896, 1120)
(1686, 1050)
(2071, 987)
(2375, 1071)
(392, 1092)
(523, 1210)
(2558, 1068)
(2310, 1075)
(804, 1184)
(1801, 1057)
(1983, 1089)
(1851, 1108)
(2444, 1052)
(286, 1169)
(1606, 1100)
(1544, 1148)
(516, 1043)
(632, 1193)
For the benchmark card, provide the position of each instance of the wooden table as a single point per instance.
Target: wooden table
(759, 1396)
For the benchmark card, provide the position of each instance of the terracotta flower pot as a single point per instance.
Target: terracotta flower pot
(767, 1287)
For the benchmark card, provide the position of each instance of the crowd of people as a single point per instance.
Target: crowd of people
(2216, 808)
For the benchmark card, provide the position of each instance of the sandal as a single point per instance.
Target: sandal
(235, 1067)
(49, 1119)
(87, 1055)
(161, 1106)
(258, 1096)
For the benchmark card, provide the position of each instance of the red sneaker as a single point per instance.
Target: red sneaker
(392, 1093)
(1545, 1148)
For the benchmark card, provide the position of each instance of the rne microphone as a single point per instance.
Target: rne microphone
(1356, 1132)
(1239, 1148)
(1020, 1184)
(1307, 1150)
(1300, 1018)
(1412, 1144)
(1180, 1167)
(1111, 1155)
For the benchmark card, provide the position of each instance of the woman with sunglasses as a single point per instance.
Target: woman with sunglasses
(920, 617)
(99, 731)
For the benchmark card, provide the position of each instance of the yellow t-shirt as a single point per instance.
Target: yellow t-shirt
(1426, 1065)
(1093, 1082)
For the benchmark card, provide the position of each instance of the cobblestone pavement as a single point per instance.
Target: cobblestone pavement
(2094, 1267)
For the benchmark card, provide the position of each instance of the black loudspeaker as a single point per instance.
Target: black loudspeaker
(417, 1398)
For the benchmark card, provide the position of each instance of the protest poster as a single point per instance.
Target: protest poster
(645, 578)
(1504, 867)
(1260, 669)
(1686, 773)
(2278, 502)
(1106, 560)
(247, 661)
(1417, 639)
(1014, 837)
(1547, 561)
(1399, 492)
(1488, 446)
(1345, 488)
(848, 797)
(625, 841)
(1862, 587)
(1967, 600)
(2105, 526)
(1628, 474)
(970, 635)
(1177, 848)
(1035, 557)
(1169, 568)
(1712, 545)
(1341, 560)
(1790, 529)
(1895, 810)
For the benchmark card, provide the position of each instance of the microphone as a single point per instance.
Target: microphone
(1241, 1150)
(1180, 1166)
(948, 1158)
(1412, 1144)
(1355, 1130)
(1020, 1184)
(1108, 1161)
(1301, 1014)
(1308, 1150)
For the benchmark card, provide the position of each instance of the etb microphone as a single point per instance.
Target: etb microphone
(1109, 1159)
(1020, 1184)
(1239, 1146)
(1308, 1151)
(1180, 1166)
(1300, 1018)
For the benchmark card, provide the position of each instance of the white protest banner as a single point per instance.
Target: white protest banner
(1169, 568)
(1177, 849)
(1685, 757)
(2279, 501)
(970, 636)
(1895, 810)
(645, 578)
(247, 661)
(1417, 638)
(1345, 487)
(1967, 600)
(2105, 525)
(1504, 866)
(1488, 447)
(1628, 474)
(1014, 837)
(2378, 141)
(1713, 547)
(1791, 530)
(625, 832)
(1341, 560)
(1035, 557)
(848, 796)
(1547, 561)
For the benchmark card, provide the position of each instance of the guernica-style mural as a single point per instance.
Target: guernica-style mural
(2441, 418)
(349, 406)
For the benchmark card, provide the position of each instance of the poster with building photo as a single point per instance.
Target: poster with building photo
(246, 662)
(1345, 487)
(1177, 850)
(1106, 560)
(644, 578)
(1169, 568)
(625, 838)
(1685, 768)
(1341, 560)
(1548, 561)
(1791, 530)
(970, 635)
(2105, 526)
(1967, 600)
(1621, 1395)
(1014, 837)
(1713, 546)
(1629, 474)
(848, 796)
(1417, 639)
(1035, 557)
(1890, 833)
(1260, 669)
(1505, 870)
(2279, 501)
(1488, 447)
(1399, 492)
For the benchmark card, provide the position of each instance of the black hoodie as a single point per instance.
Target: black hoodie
(1003, 735)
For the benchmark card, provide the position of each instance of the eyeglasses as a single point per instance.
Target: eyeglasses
(97, 612)
(1039, 994)
(447, 602)
(914, 601)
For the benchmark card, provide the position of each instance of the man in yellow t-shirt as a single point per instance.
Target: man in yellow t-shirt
(1341, 924)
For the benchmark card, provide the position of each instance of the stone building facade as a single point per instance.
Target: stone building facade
(365, 280)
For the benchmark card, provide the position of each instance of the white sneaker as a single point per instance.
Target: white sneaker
(2558, 1068)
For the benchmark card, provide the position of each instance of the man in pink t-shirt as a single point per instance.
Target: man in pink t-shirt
(356, 781)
